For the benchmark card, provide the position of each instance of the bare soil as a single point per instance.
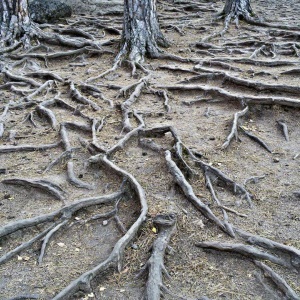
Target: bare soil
(202, 126)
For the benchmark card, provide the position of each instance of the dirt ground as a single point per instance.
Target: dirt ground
(202, 126)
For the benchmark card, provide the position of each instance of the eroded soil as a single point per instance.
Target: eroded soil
(202, 126)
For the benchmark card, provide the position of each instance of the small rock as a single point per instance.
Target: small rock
(42, 11)
(134, 247)
(105, 222)
(3, 171)
(276, 160)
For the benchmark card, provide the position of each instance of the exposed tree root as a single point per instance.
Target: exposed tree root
(74, 180)
(234, 129)
(272, 245)
(256, 139)
(7, 149)
(247, 99)
(46, 186)
(80, 98)
(155, 264)
(244, 250)
(131, 100)
(285, 130)
(188, 192)
(59, 218)
(42, 94)
(114, 260)
(280, 283)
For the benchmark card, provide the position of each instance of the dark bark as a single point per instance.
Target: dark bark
(15, 23)
(235, 9)
(141, 32)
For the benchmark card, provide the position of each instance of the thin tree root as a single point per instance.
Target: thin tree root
(280, 283)
(285, 130)
(188, 192)
(256, 139)
(74, 180)
(59, 217)
(8, 149)
(114, 260)
(126, 105)
(237, 188)
(244, 250)
(268, 244)
(234, 129)
(75, 94)
(47, 238)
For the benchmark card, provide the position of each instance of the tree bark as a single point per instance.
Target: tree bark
(141, 32)
(15, 24)
(235, 9)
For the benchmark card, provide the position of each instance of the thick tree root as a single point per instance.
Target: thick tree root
(44, 185)
(155, 265)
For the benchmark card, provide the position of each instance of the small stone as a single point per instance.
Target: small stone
(134, 247)
(105, 222)
(276, 160)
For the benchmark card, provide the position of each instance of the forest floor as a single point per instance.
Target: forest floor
(204, 91)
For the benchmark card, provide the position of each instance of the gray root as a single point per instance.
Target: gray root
(75, 94)
(256, 139)
(234, 129)
(280, 283)
(74, 180)
(244, 250)
(59, 217)
(189, 193)
(155, 264)
(44, 185)
(114, 260)
(285, 130)
(8, 149)
(272, 245)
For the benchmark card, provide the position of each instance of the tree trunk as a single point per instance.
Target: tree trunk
(235, 9)
(141, 32)
(15, 23)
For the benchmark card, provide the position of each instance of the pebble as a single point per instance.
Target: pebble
(105, 222)
(134, 246)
